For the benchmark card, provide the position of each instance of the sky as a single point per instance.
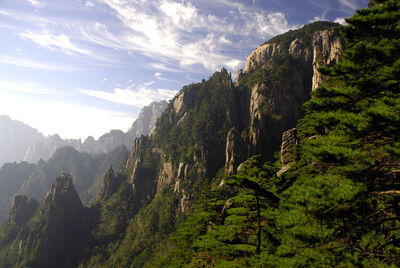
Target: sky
(80, 68)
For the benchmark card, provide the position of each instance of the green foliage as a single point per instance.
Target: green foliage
(203, 128)
(229, 224)
(339, 205)
(343, 210)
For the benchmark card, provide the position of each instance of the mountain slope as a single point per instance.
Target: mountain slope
(208, 129)
(86, 170)
(54, 236)
(15, 138)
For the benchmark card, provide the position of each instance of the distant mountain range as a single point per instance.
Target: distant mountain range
(51, 156)
(20, 142)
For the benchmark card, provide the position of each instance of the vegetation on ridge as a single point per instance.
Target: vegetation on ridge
(338, 205)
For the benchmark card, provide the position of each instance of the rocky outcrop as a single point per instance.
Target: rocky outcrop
(109, 185)
(319, 47)
(146, 121)
(88, 172)
(280, 75)
(142, 172)
(22, 210)
(62, 197)
(327, 48)
(289, 139)
(167, 175)
(57, 235)
(261, 55)
(233, 151)
(181, 102)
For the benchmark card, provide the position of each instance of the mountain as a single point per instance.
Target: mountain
(20, 142)
(87, 171)
(202, 138)
(35, 180)
(15, 138)
(143, 125)
(12, 176)
(53, 236)
(205, 189)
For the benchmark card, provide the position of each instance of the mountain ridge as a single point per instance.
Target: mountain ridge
(189, 162)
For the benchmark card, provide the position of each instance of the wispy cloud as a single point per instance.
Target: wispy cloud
(64, 43)
(181, 31)
(4, 13)
(349, 4)
(26, 87)
(160, 77)
(36, 3)
(53, 41)
(23, 62)
(133, 95)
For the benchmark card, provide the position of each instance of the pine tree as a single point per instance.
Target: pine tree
(246, 216)
(344, 204)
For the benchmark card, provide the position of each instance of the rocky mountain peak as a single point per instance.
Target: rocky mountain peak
(63, 195)
(319, 44)
(109, 185)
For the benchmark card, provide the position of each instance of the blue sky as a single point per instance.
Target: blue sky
(84, 67)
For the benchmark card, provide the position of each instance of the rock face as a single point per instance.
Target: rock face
(43, 148)
(260, 56)
(109, 185)
(286, 72)
(22, 210)
(289, 138)
(233, 156)
(146, 121)
(62, 198)
(142, 172)
(230, 120)
(327, 48)
(322, 49)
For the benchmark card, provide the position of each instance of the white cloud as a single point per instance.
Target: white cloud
(53, 41)
(137, 96)
(4, 13)
(64, 43)
(341, 21)
(22, 62)
(89, 4)
(26, 87)
(68, 120)
(182, 32)
(36, 3)
(180, 14)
